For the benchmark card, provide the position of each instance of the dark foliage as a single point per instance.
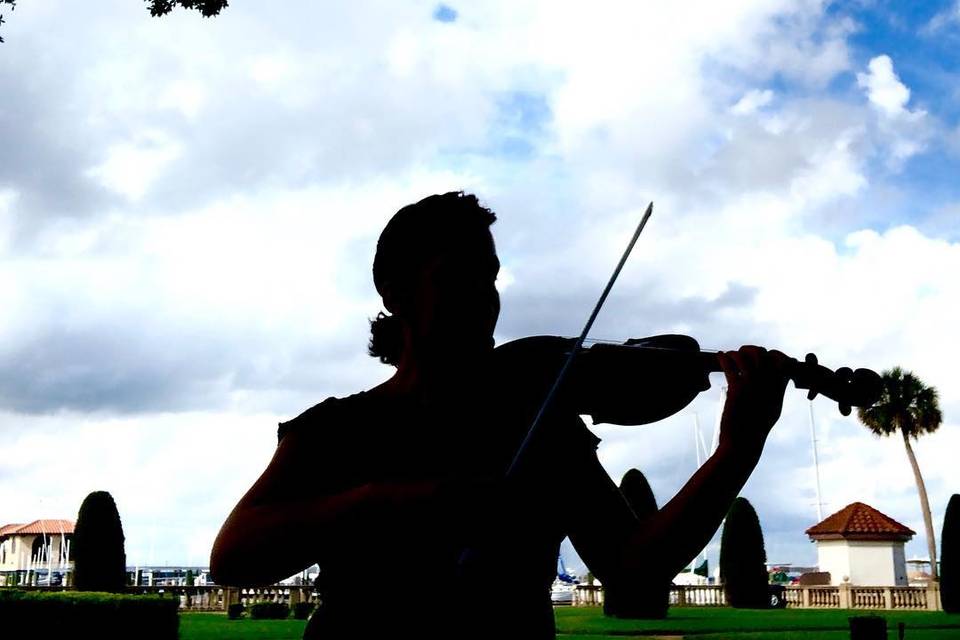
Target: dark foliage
(98, 552)
(104, 616)
(13, 5)
(646, 598)
(235, 611)
(269, 611)
(869, 627)
(743, 557)
(206, 7)
(950, 557)
(302, 610)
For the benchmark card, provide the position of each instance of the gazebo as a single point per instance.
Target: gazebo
(858, 545)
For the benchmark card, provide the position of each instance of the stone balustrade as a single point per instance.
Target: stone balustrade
(216, 598)
(807, 597)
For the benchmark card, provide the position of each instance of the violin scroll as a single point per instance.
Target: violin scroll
(846, 387)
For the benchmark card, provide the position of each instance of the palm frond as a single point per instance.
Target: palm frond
(906, 405)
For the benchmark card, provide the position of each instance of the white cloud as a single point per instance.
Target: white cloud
(256, 157)
(905, 131)
(752, 101)
(186, 96)
(132, 167)
(885, 91)
(174, 477)
(950, 16)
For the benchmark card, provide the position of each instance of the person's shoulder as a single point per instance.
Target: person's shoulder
(323, 417)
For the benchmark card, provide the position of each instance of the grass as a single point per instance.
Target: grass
(721, 622)
(588, 623)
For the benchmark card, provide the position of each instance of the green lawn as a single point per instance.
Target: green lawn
(201, 626)
(589, 624)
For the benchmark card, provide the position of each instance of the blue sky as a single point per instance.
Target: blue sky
(188, 212)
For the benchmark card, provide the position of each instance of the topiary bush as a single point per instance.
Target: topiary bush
(743, 558)
(104, 616)
(100, 562)
(302, 610)
(950, 557)
(235, 611)
(269, 611)
(646, 598)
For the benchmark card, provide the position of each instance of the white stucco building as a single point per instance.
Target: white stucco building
(861, 546)
(41, 545)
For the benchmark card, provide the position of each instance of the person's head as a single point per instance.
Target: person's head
(436, 268)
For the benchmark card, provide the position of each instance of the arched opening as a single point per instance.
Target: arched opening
(37, 552)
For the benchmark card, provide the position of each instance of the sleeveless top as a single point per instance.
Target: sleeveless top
(410, 574)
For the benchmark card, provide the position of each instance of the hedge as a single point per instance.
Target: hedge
(950, 557)
(644, 599)
(269, 611)
(100, 562)
(742, 558)
(91, 614)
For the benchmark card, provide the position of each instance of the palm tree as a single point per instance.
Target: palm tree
(909, 407)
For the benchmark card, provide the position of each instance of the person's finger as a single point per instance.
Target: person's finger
(728, 366)
(780, 362)
(753, 359)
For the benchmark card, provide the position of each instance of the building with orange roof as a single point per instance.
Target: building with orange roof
(859, 545)
(41, 546)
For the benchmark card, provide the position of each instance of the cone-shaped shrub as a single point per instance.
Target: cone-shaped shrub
(743, 558)
(950, 557)
(100, 560)
(644, 598)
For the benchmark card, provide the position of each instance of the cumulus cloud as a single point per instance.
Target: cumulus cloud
(885, 91)
(187, 225)
(906, 128)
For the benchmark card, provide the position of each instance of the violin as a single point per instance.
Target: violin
(644, 380)
(677, 370)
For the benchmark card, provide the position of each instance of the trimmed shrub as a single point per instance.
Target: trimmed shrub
(950, 557)
(105, 616)
(235, 611)
(644, 598)
(743, 557)
(302, 610)
(269, 611)
(871, 627)
(100, 563)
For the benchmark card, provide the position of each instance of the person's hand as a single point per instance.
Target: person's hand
(756, 380)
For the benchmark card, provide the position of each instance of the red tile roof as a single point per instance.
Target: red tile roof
(48, 527)
(860, 521)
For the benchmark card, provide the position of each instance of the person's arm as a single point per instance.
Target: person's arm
(616, 545)
(259, 544)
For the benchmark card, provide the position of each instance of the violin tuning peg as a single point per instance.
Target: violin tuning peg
(811, 359)
(845, 374)
(845, 409)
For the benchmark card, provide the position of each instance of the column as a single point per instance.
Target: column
(933, 596)
(845, 595)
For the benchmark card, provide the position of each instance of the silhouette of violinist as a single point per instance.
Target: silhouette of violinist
(399, 494)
